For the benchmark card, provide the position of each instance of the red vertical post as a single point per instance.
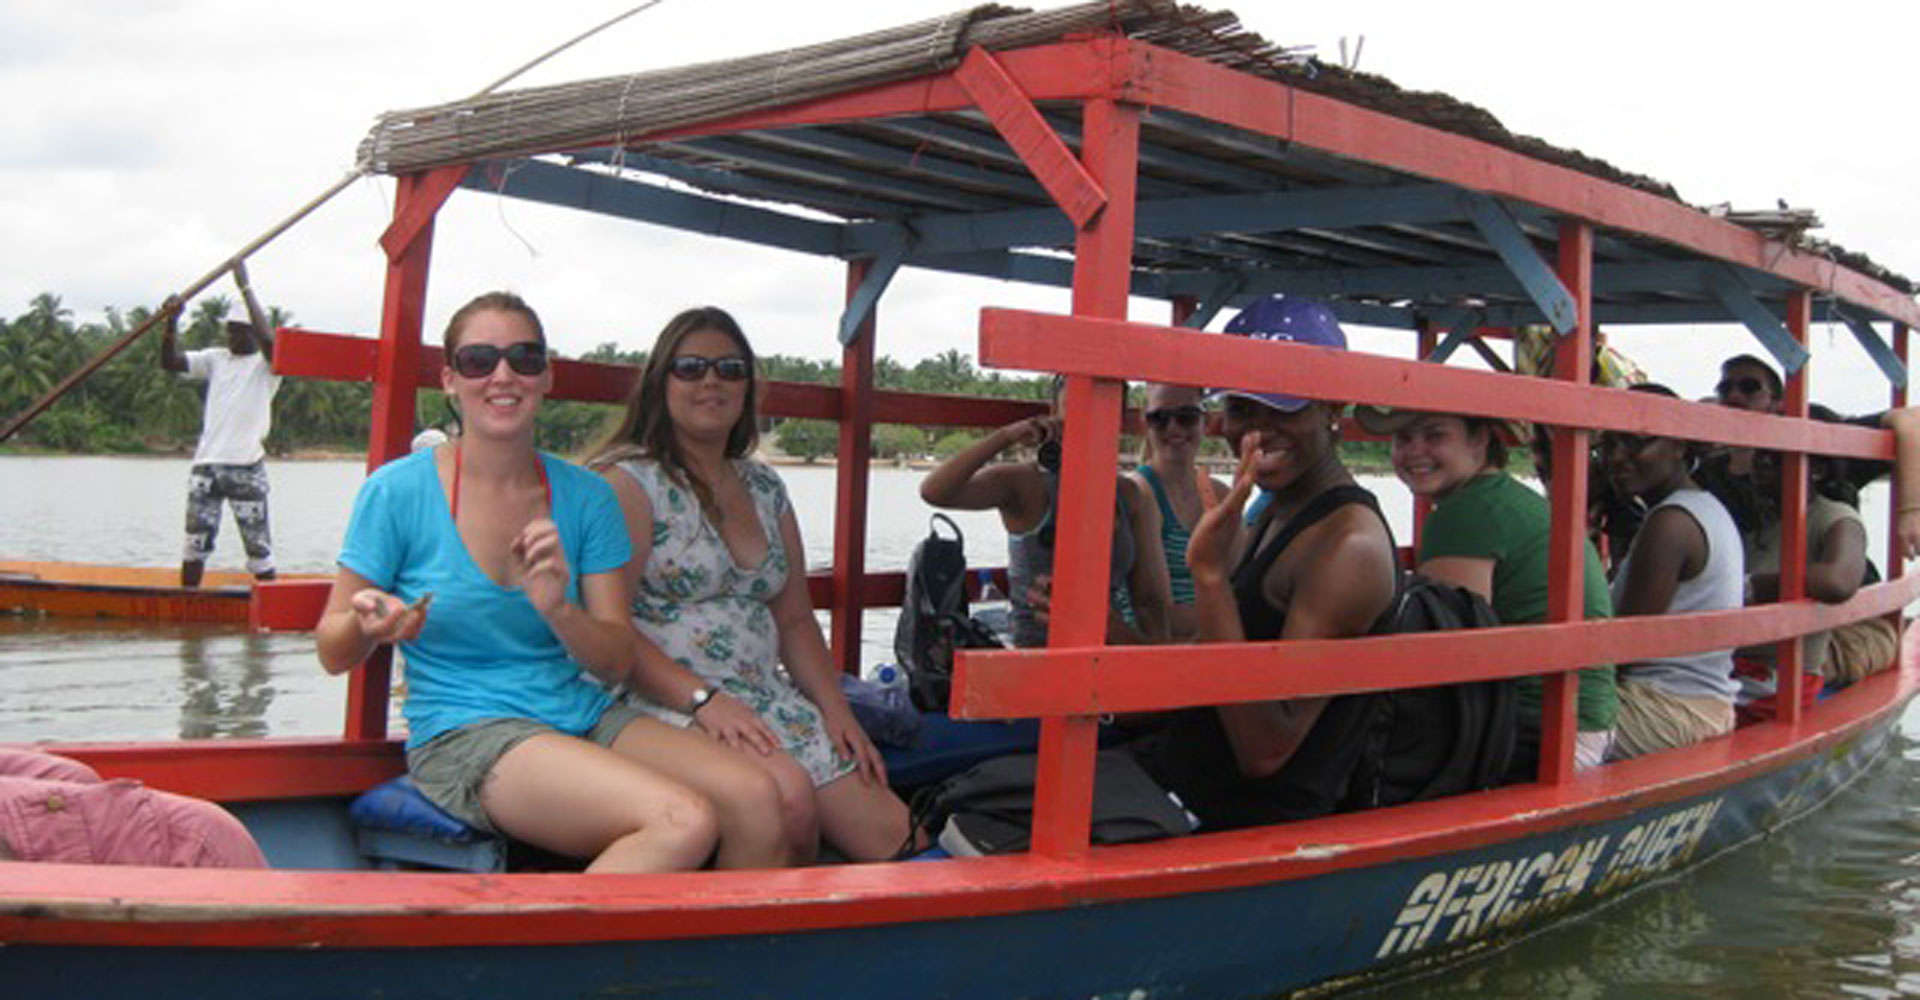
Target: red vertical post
(1896, 554)
(851, 477)
(1102, 274)
(1567, 552)
(1788, 679)
(1422, 506)
(395, 379)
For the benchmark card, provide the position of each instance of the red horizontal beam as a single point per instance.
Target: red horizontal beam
(1068, 71)
(295, 605)
(1096, 680)
(344, 358)
(246, 770)
(1161, 78)
(1116, 349)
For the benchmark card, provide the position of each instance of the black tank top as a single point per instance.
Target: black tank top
(1192, 755)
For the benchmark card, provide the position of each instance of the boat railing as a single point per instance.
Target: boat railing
(1077, 679)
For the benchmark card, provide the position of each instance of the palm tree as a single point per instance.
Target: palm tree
(25, 370)
(46, 317)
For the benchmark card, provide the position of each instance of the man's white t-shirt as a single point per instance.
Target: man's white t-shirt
(239, 410)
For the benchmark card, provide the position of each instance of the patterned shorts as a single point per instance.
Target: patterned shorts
(243, 486)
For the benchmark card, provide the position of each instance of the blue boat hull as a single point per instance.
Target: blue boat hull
(1255, 941)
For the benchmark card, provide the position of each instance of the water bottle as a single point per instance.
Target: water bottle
(893, 685)
(884, 705)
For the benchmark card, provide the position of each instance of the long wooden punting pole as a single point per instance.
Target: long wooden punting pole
(80, 374)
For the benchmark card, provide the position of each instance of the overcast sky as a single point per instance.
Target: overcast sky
(141, 143)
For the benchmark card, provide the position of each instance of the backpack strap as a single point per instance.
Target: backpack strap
(1313, 513)
(934, 523)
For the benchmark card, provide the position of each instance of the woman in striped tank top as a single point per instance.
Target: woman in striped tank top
(1175, 427)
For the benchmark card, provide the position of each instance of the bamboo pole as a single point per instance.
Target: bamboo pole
(80, 374)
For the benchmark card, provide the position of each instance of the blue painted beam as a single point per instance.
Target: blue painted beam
(1517, 251)
(1447, 283)
(742, 185)
(793, 167)
(1460, 323)
(879, 275)
(1030, 268)
(1890, 364)
(1006, 183)
(1629, 313)
(1226, 285)
(572, 187)
(1197, 216)
(1739, 300)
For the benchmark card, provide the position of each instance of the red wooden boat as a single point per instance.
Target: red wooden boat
(146, 593)
(1175, 158)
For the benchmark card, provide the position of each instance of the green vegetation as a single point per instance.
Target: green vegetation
(131, 405)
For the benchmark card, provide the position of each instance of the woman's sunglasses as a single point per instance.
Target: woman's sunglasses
(693, 368)
(1186, 416)
(1748, 386)
(528, 357)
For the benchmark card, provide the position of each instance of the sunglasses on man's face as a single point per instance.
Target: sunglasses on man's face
(1629, 443)
(1186, 416)
(693, 368)
(528, 357)
(1747, 386)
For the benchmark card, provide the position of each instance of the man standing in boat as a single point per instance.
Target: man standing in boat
(230, 462)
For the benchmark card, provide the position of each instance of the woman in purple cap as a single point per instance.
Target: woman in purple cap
(1318, 563)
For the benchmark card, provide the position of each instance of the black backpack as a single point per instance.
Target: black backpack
(988, 808)
(1384, 748)
(933, 616)
(1434, 741)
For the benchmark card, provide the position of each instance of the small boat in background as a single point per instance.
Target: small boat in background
(150, 593)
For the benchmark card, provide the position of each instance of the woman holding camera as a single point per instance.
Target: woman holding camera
(1026, 493)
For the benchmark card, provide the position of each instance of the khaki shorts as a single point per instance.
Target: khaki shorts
(1858, 649)
(451, 769)
(1651, 719)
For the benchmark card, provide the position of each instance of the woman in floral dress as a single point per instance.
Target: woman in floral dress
(729, 644)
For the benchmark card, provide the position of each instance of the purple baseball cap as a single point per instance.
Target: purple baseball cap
(1285, 317)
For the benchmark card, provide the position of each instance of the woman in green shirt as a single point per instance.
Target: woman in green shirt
(1488, 532)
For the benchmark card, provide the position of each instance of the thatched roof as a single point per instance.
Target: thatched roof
(592, 112)
(619, 113)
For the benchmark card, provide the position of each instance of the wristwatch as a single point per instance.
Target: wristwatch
(701, 695)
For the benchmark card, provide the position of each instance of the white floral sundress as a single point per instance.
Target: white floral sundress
(711, 616)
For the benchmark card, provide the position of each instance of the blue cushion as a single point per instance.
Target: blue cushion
(947, 746)
(399, 807)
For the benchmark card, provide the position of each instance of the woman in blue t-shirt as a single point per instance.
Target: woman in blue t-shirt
(499, 571)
